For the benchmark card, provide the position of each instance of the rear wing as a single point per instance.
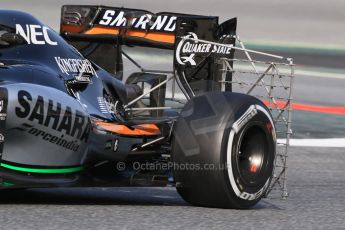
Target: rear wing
(99, 32)
(128, 26)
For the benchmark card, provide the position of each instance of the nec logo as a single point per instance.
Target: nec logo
(35, 34)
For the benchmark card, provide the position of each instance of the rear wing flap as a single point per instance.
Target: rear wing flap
(130, 26)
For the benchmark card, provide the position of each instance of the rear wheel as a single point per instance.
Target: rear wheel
(228, 142)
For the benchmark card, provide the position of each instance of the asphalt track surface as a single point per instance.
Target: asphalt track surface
(316, 184)
(316, 179)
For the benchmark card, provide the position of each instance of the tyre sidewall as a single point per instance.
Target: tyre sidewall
(244, 194)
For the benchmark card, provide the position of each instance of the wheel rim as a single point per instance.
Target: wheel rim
(251, 155)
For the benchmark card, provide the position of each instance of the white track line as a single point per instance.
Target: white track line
(328, 142)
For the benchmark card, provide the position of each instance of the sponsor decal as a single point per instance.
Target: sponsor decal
(48, 137)
(103, 105)
(245, 118)
(2, 115)
(187, 49)
(117, 18)
(53, 115)
(35, 34)
(83, 79)
(81, 69)
(254, 196)
(116, 145)
(107, 106)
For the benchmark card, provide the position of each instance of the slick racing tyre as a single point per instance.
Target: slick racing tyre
(223, 150)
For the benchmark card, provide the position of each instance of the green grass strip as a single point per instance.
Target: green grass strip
(295, 47)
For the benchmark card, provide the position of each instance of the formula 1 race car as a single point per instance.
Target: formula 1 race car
(70, 117)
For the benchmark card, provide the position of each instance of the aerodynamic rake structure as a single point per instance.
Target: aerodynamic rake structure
(271, 82)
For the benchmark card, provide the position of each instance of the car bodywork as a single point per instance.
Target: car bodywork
(67, 117)
(61, 113)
